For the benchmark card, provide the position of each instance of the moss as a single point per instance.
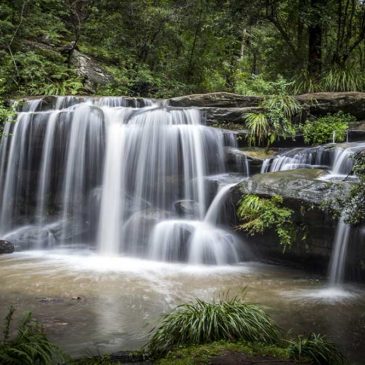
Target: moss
(202, 354)
(259, 153)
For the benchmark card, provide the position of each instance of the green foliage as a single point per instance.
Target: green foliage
(202, 322)
(322, 130)
(335, 79)
(6, 113)
(259, 214)
(355, 205)
(317, 349)
(29, 346)
(275, 123)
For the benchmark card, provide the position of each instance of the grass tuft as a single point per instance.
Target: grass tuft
(29, 346)
(202, 322)
(316, 348)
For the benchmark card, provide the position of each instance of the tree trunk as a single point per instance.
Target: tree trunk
(315, 33)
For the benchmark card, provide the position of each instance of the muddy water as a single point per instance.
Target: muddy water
(92, 304)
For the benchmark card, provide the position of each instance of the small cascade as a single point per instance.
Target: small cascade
(196, 241)
(339, 253)
(214, 209)
(335, 158)
(126, 176)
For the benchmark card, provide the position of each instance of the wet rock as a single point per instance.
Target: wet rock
(304, 193)
(301, 186)
(6, 247)
(186, 208)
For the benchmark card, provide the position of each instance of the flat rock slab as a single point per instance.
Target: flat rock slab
(299, 185)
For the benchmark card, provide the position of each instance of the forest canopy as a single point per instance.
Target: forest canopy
(161, 48)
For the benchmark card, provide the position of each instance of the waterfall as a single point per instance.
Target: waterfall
(339, 253)
(124, 176)
(335, 158)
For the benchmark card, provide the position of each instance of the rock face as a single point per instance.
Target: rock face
(324, 103)
(217, 100)
(227, 107)
(303, 193)
(89, 70)
(6, 247)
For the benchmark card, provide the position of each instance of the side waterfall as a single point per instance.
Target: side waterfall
(339, 253)
(125, 176)
(337, 159)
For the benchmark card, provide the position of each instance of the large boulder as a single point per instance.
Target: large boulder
(6, 247)
(88, 69)
(305, 193)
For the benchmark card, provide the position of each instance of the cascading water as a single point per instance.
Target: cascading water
(335, 158)
(119, 174)
(339, 253)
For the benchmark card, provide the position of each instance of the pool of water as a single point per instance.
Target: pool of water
(94, 304)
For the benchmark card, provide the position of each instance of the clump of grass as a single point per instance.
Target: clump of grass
(30, 346)
(316, 348)
(202, 322)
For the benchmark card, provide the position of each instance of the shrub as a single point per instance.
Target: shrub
(202, 322)
(316, 348)
(30, 345)
(323, 129)
(260, 214)
(275, 122)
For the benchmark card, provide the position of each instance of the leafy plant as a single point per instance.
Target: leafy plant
(355, 205)
(6, 113)
(275, 122)
(202, 322)
(326, 129)
(316, 348)
(332, 80)
(30, 345)
(260, 214)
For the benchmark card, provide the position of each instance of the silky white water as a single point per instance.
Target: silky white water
(112, 174)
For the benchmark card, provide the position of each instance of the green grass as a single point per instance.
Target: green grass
(202, 322)
(201, 354)
(316, 348)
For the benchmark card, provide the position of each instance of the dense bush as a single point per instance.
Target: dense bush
(276, 120)
(260, 214)
(326, 129)
(202, 322)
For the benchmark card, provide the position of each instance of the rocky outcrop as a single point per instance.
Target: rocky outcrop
(326, 103)
(299, 186)
(89, 70)
(216, 100)
(227, 107)
(304, 193)
(6, 247)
